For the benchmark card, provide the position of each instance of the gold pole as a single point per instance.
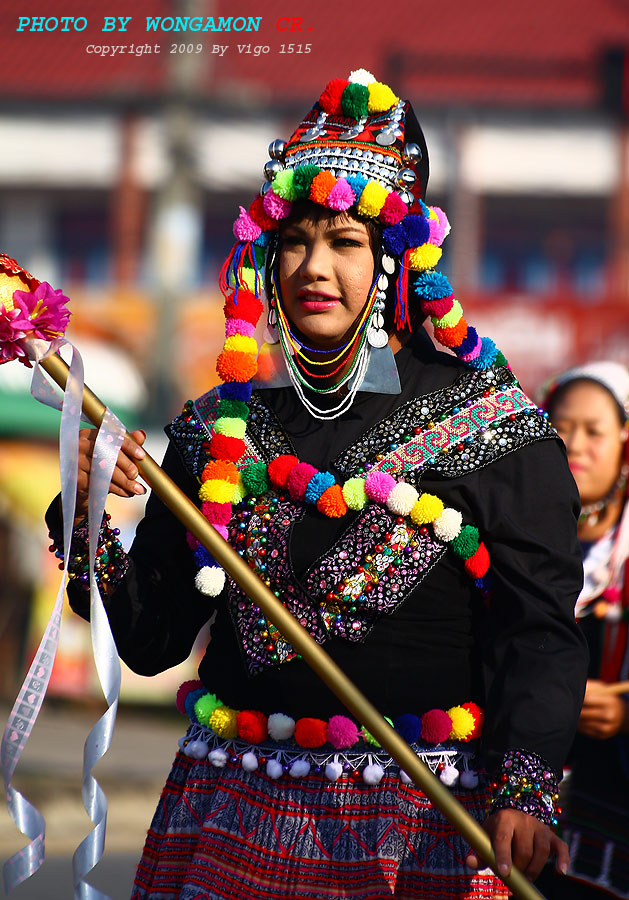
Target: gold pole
(316, 657)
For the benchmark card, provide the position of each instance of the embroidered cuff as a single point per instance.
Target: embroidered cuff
(111, 561)
(526, 782)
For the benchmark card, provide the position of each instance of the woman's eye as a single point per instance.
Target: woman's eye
(347, 242)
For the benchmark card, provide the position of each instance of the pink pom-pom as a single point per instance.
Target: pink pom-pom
(276, 207)
(341, 196)
(245, 229)
(439, 227)
(378, 486)
(182, 693)
(298, 479)
(438, 308)
(393, 210)
(239, 326)
(222, 530)
(220, 513)
(191, 541)
(436, 726)
(468, 357)
(342, 732)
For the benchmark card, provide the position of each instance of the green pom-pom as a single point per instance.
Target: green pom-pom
(205, 706)
(368, 736)
(302, 179)
(283, 184)
(355, 101)
(256, 478)
(501, 359)
(234, 409)
(465, 544)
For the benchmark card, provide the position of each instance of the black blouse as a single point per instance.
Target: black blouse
(522, 657)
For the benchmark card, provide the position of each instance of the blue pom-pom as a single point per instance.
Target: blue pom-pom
(203, 558)
(417, 230)
(357, 183)
(469, 341)
(190, 700)
(394, 240)
(487, 355)
(264, 239)
(432, 286)
(317, 485)
(235, 390)
(409, 727)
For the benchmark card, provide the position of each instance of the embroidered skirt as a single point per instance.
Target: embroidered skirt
(225, 833)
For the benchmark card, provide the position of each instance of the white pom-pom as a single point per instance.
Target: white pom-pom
(405, 777)
(196, 749)
(373, 774)
(210, 580)
(448, 524)
(361, 76)
(273, 769)
(249, 761)
(333, 771)
(469, 779)
(402, 499)
(449, 775)
(281, 727)
(218, 757)
(300, 768)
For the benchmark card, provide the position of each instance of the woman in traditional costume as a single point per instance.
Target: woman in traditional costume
(589, 406)
(412, 508)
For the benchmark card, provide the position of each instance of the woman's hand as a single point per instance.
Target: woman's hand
(604, 714)
(523, 841)
(123, 480)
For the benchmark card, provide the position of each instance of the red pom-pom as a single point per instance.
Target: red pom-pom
(259, 215)
(479, 717)
(311, 732)
(330, 99)
(298, 480)
(182, 693)
(224, 447)
(243, 305)
(436, 726)
(477, 565)
(393, 210)
(252, 726)
(220, 469)
(280, 468)
(332, 502)
(217, 513)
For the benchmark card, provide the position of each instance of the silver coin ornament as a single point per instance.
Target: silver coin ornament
(277, 149)
(412, 153)
(385, 138)
(271, 168)
(377, 337)
(388, 264)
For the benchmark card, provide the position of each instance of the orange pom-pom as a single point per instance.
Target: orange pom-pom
(330, 99)
(311, 732)
(321, 186)
(223, 447)
(243, 305)
(479, 717)
(234, 365)
(454, 336)
(259, 215)
(280, 468)
(252, 726)
(222, 469)
(478, 564)
(332, 502)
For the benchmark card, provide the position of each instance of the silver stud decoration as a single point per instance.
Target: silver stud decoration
(271, 168)
(277, 149)
(356, 129)
(317, 130)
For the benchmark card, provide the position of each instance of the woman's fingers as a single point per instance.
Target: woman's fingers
(124, 481)
(521, 840)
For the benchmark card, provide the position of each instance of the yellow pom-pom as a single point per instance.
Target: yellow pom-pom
(451, 318)
(381, 98)
(426, 510)
(425, 257)
(242, 344)
(354, 493)
(239, 492)
(223, 722)
(231, 426)
(216, 491)
(246, 279)
(372, 199)
(462, 723)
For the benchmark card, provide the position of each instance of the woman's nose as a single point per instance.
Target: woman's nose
(315, 265)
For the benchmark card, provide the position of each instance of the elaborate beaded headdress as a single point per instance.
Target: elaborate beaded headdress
(359, 149)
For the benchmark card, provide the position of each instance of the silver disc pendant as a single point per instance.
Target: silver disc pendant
(377, 337)
(385, 138)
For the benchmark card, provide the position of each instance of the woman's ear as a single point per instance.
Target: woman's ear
(624, 433)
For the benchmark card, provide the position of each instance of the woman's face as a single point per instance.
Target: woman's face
(326, 269)
(586, 418)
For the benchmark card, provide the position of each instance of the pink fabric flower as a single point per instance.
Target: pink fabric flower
(44, 312)
(438, 308)
(11, 335)
(276, 207)
(341, 197)
(342, 732)
(436, 726)
(245, 229)
(393, 210)
(439, 228)
(239, 326)
(378, 486)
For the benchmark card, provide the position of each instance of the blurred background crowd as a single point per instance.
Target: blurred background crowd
(121, 176)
